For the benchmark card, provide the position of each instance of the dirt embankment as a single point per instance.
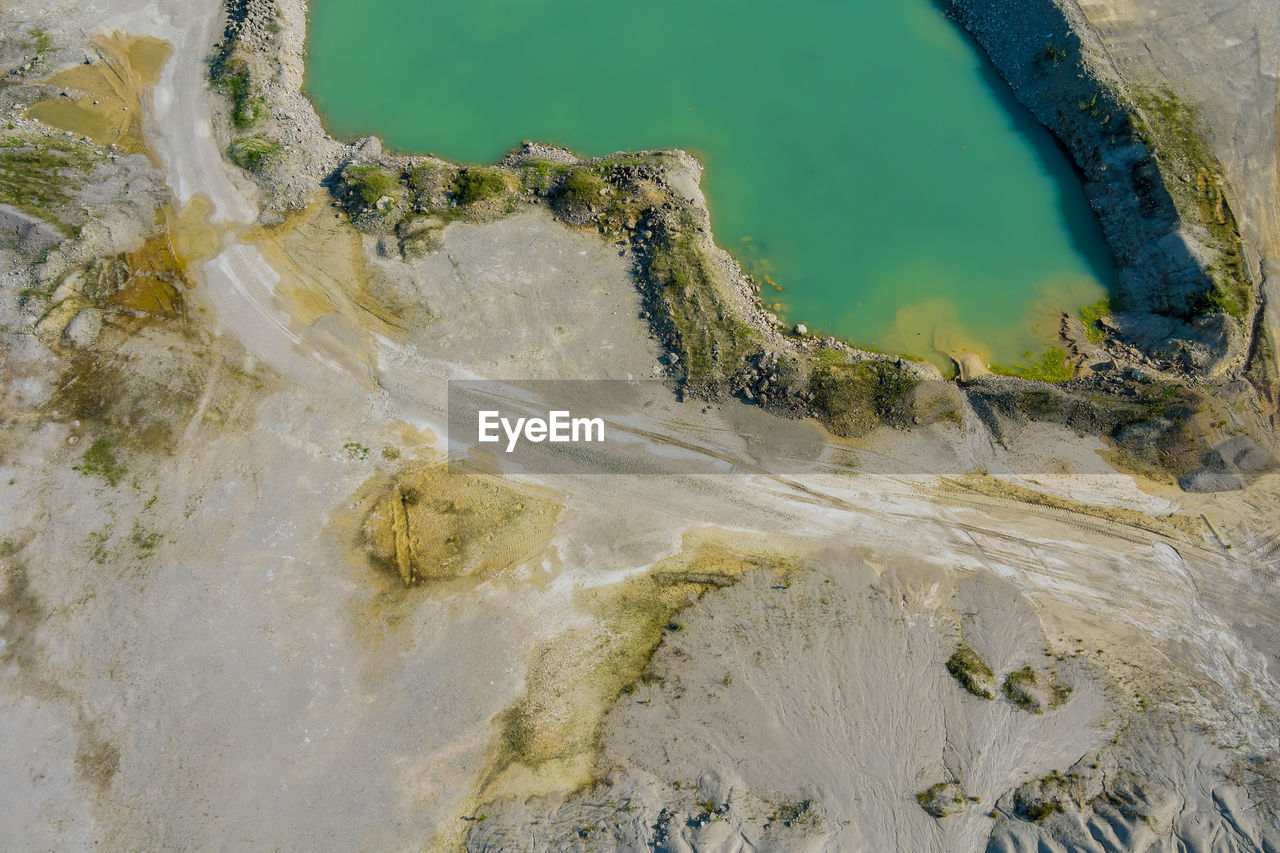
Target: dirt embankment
(1187, 298)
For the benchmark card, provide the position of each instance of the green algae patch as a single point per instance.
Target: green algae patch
(549, 739)
(426, 523)
(1053, 366)
(967, 667)
(1091, 316)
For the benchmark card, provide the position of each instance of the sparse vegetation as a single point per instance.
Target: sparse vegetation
(39, 176)
(1019, 687)
(803, 813)
(968, 668)
(365, 186)
(1171, 128)
(355, 451)
(97, 542)
(1040, 810)
(142, 539)
(943, 799)
(40, 40)
(852, 398)
(100, 461)
(540, 176)
(252, 152)
(581, 191)
(429, 185)
(1040, 799)
(231, 75)
(711, 341)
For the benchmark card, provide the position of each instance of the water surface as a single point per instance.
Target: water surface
(860, 154)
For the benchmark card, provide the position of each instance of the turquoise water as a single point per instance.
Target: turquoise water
(861, 155)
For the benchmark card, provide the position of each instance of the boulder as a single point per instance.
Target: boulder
(33, 235)
(1229, 467)
(1212, 477)
(84, 328)
(1244, 454)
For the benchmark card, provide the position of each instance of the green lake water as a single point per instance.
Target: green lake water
(862, 155)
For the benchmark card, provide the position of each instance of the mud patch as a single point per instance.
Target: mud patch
(19, 652)
(152, 390)
(97, 760)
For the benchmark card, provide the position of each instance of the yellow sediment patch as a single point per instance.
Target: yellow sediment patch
(156, 274)
(154, 282)
(400, 527)
(931, 330)
(549, 739)
(1170, 525)
(106, 98)
(191, 238)
(323, 270)
(159, 271)
(428, 524)
(146, 283)
(51, 326)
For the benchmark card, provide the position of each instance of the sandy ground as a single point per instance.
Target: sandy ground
(199, 656)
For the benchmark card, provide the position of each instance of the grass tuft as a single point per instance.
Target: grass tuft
(100, 461)
(968, 668)
(252, 152)
(478, 184)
